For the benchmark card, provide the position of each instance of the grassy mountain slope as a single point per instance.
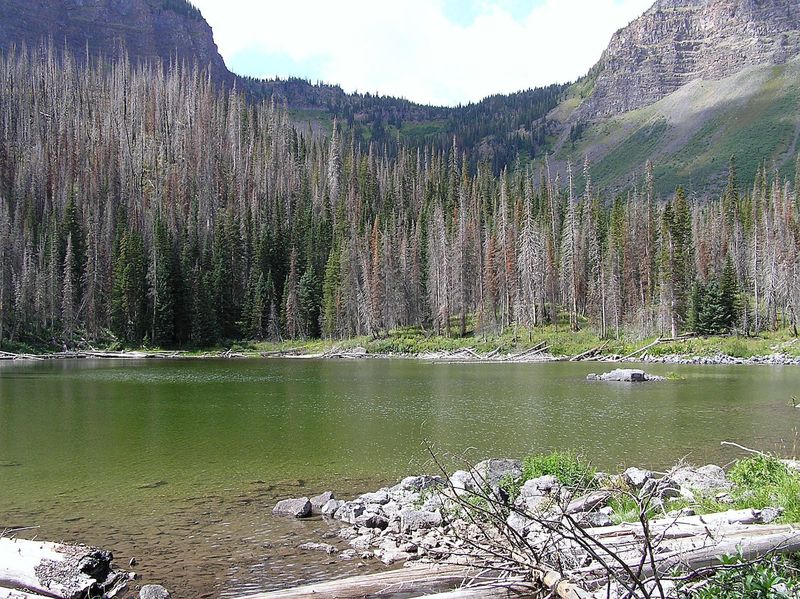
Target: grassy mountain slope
(691, 134)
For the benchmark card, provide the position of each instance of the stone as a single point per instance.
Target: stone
(347, 534)
(770, 514)
(636, 477)
(361, 543)
(348, 554)
(536, 487)
(624, 375)
(320, 500)
(349, 511)
(323, 547)
(592, 519)
(329, 509)
(411, 520)
(462, 481)
(153, 591)
(707, 480)
(418, 483)
(380, 497)
(491, 472)
(376, 521)
(663, 488)
(293, 508)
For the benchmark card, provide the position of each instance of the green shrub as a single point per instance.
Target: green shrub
(758, 471)
(566, 466)
(773, 578)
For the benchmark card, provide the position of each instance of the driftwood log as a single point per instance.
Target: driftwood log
(56, 571)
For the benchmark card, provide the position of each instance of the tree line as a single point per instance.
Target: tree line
(146, 205)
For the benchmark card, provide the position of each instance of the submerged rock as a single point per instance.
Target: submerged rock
(319, 501)
(153, 591)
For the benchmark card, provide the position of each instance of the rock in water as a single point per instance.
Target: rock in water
(624, 375)
(153, 591)
(293, 508)
(318, 502)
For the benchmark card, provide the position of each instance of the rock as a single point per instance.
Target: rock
(320, 500)
(374, 521)
(361, 543)
(536, 487)
(519, 523)
(462, 481)
(349, 511)
(329, 509)
(380, 497)
(663, 488)
(347, 534)
(348, 554)
(323, 547)
(770, 514)
(624, 375)
(491, 472)
(418, 483)
(592, 519)
(153, 591)
(699, 481)
(636, 477)
(411, 520)
(293, 508)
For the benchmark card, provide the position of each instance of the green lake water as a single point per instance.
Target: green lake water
(179, 463)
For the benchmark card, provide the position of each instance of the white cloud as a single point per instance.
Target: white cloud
(409, 48)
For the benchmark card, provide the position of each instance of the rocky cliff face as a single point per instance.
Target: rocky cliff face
(146, 29)
(677, 41)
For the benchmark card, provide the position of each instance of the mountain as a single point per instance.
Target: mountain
(146, 29)
(687, 85)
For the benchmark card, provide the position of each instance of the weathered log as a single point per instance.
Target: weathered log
(55, 570)
(12, 594)
(641, 349)
(590, 352)
(415, 579)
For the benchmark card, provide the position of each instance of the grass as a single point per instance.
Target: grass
(560, 340)
(568, 467)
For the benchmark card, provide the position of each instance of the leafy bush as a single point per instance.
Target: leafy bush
(566, 466)
(774, 578)
(758, 471)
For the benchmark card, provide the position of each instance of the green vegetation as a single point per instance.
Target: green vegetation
(775, 577)
(568, 467)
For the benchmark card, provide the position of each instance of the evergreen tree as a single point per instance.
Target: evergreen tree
(162, 293)
(729, 296)
(204, 316)
(68, 295)
(331, 292)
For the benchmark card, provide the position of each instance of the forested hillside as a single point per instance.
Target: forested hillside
(149, 207)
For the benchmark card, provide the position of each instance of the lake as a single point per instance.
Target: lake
(179, 463)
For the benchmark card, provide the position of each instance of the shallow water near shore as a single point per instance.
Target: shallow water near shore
(179, 463)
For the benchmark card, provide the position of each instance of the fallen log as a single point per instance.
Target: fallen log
(640, 350)
(56, 571)
(415, 579)
(590, 352)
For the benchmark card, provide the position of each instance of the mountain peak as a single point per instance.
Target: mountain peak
(152, 30)
(678, 41)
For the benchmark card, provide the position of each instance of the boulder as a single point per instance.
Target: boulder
(491, 472)
(537, 487)
(153, 591)
(636, 477)
(329, 509)
(320, 500)
(323, 547)
(380, 497)
(624, 375)
(349, 511)
(411, 520)
(707, 480)
(293, 508)
(418, 483)
(462, 481)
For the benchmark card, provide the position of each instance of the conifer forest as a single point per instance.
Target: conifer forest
(145, 205)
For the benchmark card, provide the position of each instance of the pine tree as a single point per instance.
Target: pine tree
(729, 296)
(292, 323)
(332, 298)
(205, 331)
(162, 294)
(68, 294)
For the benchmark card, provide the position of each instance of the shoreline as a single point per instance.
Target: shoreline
(458, 356)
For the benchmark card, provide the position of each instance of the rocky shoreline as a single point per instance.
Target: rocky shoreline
(443, 519)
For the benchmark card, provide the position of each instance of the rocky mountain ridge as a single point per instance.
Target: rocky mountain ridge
(678, 41)
(165, 30)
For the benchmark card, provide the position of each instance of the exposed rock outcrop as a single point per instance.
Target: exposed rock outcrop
(677, 41)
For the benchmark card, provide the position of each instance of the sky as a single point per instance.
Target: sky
(442, 52)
